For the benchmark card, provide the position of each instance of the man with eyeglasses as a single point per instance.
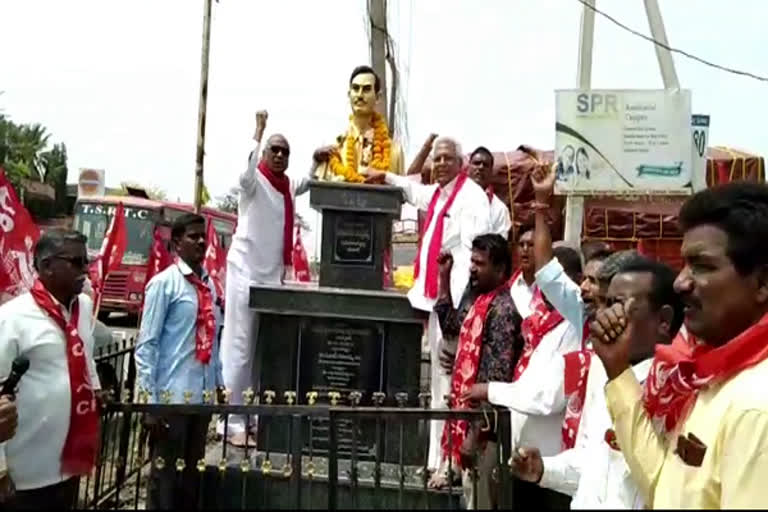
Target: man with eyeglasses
(57, 437)
(260, 254)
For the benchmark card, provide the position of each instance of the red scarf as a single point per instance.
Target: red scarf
(677, 375)
(205, 322)
(82, 443)
(489, 193)
(436, 242)
(575, 388)
(534, 328)
(465, 368)
(282, 184)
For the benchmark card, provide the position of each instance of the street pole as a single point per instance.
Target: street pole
(201, 113)
(377, 12)
(574, 204)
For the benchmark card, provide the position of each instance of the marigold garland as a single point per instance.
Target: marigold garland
(382, 146)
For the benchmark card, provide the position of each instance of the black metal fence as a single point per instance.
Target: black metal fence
(321, 456)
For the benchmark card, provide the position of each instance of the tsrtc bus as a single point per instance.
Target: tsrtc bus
(124, 288)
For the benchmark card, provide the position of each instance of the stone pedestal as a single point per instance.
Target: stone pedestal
(346, 334)
(357, 231)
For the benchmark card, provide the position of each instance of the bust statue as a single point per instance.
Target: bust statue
(366, 142)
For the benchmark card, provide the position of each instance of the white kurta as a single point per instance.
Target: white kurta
(537, 400)
(44, 398)
(596, 475)
(468, 217)
(501, 222)
(255, 257)
(522, 295)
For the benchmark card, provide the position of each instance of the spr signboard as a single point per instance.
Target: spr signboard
(623, 141)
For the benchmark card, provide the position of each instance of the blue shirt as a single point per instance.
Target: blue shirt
(165, 353)
(562, 292)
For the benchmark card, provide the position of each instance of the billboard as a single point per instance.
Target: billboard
(90, 183)
(623, 141)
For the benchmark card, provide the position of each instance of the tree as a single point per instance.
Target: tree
(55, 165)
(24, 154)
(228, 202)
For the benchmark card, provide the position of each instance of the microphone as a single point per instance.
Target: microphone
(18, 368)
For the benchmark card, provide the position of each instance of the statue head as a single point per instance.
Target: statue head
(364, 90)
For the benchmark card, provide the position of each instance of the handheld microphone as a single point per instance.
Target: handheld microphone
(18, 368)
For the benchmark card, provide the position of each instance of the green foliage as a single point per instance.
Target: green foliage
(24, 154)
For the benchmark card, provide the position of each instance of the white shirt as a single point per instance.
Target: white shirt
(257, 246)
(536, 400)
(467, 218)
(592, 472)
(43, 399)
(522, 295)
(501, 222)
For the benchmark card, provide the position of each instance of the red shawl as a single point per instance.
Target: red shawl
(82, 443)
(282, 184)
(677, 376)
(205, 321)
(541, 321)
(436, 242)
(575, 389)
(465, 368)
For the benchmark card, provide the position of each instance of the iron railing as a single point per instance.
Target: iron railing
(345, 469)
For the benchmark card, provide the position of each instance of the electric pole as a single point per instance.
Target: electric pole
(201, 113)
(377, 20)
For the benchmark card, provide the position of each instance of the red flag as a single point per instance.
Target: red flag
(159, 257)
(18, 235)
(299, 257)
(215, 262)
(111, 254)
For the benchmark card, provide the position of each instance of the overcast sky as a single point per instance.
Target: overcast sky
(118, 81)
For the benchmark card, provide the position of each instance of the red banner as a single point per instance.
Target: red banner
(111, 254)
(159, 257)
(18, 235)
(299, 257)
(215, 262)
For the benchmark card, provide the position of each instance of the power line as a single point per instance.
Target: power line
(674, 50)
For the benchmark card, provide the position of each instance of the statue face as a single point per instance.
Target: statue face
(362, 94)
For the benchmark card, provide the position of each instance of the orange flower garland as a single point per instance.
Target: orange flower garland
(382, 146)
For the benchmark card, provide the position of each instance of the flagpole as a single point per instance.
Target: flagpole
(201, 113)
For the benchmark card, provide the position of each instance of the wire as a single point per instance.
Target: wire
(674, 50)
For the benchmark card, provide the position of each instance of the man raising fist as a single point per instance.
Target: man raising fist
(695, 435)
(260, 253)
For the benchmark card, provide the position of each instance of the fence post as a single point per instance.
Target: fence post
(125, 427)
(333, 461)
(506, 496)
(296, 452)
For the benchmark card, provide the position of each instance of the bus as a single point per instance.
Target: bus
(124, 288)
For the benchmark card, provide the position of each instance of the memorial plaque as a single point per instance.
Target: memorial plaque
(353, 239)
(342, 356)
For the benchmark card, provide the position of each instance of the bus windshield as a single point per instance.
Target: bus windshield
(91, 219)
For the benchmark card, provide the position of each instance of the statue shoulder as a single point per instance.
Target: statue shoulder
(397, 158)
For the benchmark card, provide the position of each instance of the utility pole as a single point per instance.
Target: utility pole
(377, 20)
(201, 113)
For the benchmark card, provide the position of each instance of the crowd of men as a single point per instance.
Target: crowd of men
(613, 402)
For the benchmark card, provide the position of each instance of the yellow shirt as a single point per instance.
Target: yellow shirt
(730, 418)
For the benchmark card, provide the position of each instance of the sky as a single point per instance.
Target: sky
(118, 81)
